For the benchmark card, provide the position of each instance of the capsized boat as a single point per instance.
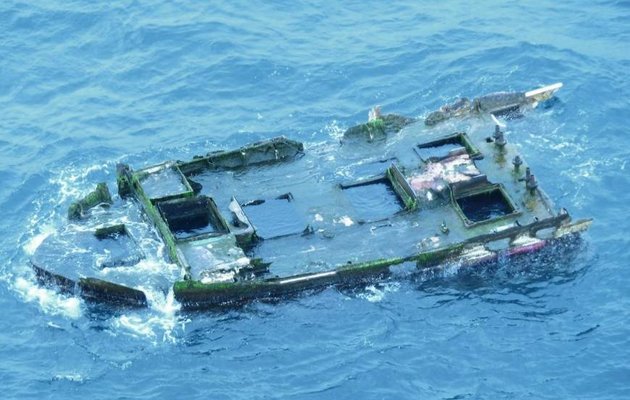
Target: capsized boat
(274, 218)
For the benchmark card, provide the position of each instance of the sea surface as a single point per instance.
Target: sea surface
(86, 84)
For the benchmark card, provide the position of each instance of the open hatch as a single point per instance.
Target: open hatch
(488, 203)
(192, 217)
(455, 144)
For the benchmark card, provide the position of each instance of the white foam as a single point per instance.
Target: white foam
(334, 130)
(159, 324)
(33, 243)
(135, 325)
(69, 377)
(49, 301)
(72, 182)
(375, 294)
(345, 220)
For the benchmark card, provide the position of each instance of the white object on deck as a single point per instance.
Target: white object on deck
(496, 121)
(374, 114)
(544, 92)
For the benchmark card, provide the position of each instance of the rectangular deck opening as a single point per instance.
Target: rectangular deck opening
(163, 183)
(375, 200)
(456, 144)
(192, 217)
(485, 205)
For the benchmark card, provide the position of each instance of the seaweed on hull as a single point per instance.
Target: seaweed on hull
(378, 126)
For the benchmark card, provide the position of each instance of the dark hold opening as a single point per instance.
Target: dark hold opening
(191, 217)
(485, 205)
(445, 147)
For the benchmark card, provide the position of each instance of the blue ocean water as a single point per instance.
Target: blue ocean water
(84, 85)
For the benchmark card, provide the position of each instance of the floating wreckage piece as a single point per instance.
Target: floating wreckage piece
(270, 219)
(493, 103)
(99, 197)
(378, 126)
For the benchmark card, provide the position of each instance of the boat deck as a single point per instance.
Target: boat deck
(330, 207)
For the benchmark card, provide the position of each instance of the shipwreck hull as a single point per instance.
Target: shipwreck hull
(270, 220)
(92, 289)
(194, 295)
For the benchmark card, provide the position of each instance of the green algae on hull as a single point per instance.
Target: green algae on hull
(99, 196)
